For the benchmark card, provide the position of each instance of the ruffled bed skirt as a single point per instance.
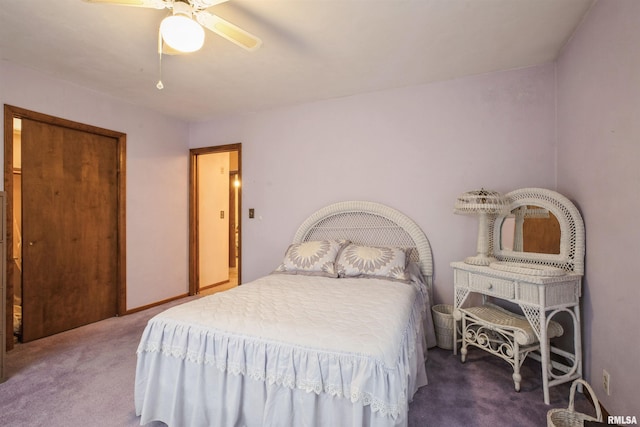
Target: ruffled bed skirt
(183, 392)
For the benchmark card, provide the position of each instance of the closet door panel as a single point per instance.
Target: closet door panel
(70, 224)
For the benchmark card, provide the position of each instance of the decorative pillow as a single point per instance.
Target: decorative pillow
(369, 261)
(316, 258)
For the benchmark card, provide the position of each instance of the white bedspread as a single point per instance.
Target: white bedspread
(348, 338)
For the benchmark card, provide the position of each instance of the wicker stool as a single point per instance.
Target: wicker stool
(501, 333)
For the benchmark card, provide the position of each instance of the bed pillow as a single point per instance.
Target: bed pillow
(313, 258)
(372, 261)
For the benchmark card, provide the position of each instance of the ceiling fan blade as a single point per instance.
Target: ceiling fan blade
(228, 30)
(203, 4)
(152, 4)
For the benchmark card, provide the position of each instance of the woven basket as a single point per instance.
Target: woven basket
(569, 417)
(443, 322)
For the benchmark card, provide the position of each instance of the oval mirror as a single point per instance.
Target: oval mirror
(543, 228)
(530, 228)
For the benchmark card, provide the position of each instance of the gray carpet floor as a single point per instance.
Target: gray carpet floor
(85, 377)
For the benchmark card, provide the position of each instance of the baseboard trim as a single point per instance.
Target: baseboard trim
(205, 288)
(155, 304)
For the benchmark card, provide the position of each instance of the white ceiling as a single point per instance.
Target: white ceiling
(312, 49)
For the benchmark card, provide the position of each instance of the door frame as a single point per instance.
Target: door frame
(194, 264)
(11, 112)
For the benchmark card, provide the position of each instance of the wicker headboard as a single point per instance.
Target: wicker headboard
(372, 224)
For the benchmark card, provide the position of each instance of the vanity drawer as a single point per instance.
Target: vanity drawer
(492, 286)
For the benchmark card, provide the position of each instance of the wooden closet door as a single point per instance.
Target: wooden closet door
(70, 228)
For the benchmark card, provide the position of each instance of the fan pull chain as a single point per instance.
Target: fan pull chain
(160, 86)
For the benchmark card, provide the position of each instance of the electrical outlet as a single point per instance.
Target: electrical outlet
(606, 382)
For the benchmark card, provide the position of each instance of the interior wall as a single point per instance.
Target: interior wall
(598, 152)
(157, 175)
(16, 264)
(213, 231)
(414, 149)
(17, 193)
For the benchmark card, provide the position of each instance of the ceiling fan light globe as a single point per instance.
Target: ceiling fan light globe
(182, 33)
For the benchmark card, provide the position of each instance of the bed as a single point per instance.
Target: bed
(337, 335)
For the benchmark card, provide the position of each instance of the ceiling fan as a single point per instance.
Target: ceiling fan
(181, 32)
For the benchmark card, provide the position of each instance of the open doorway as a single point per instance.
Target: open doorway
(215, 190)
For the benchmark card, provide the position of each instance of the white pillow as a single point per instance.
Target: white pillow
(371, 261)
(315, 258)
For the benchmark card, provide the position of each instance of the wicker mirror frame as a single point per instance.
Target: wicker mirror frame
(572, 236)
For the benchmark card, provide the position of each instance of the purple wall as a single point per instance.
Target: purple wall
(598, 80)
(157, 170)
(415, 149)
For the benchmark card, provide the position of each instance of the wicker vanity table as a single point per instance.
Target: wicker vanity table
(540, 284)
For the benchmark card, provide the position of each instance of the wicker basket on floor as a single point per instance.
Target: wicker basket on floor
(443, 322)
(569, 417)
